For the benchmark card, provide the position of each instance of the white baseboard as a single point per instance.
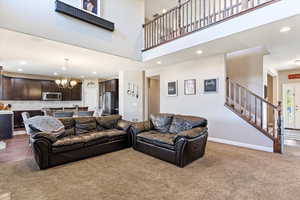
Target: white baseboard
(240, 144)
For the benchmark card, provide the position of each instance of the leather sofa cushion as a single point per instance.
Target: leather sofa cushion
(85, 125)
(123, 125)
(192, 133)
(78, 141)
(194, 121)
(161, 122)
(68, 122)
(114, 134)
(165, 140)
(139, 127)
(108, 122)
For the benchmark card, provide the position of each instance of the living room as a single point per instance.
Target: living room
(94, 107)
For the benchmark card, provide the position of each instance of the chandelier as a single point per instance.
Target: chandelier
(66, 82)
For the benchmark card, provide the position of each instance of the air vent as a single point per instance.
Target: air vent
(84, 16)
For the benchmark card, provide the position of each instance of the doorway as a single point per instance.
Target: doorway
(291, 102)
(153, 95)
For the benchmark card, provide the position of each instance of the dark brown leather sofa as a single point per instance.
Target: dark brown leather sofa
(83, 137)
(173, 138)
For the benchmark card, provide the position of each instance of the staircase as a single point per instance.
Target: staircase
(255, 110)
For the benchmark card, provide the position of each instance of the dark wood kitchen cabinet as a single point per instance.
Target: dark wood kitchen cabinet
(27, 89)
(31, 89)
(7, 88)
(50, 86)
(74, 94)
(112, 85)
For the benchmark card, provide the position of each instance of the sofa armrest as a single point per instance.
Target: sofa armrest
(51, 138)
(192, 133)
(124, 125)
(41, 147)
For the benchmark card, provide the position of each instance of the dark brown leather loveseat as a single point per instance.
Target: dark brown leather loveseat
(177, 139)
(83, 137)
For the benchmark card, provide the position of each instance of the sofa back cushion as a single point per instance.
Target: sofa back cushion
(161, 122)
(108, 122)
(69, 124)
(183, 123)
(85, 125)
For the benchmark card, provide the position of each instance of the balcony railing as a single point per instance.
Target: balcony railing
(194, 15)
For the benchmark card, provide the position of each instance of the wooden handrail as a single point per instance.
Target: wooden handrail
(261, 114)
(195, 15)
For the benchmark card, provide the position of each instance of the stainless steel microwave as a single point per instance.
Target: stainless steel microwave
(52, 96)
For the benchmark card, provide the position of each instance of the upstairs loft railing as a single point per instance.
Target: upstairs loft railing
(194, 15)
(258, 112)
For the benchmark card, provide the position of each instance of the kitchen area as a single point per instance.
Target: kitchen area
(38, 95)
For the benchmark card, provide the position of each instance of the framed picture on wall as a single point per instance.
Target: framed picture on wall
(211, 85)
(91, 6)
(190, 87)
(173, 88)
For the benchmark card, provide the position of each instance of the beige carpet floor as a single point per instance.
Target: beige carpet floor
(226, 172)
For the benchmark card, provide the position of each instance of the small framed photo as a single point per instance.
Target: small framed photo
(173, 88)
(190, 87)
(211, 85)
(91, 6)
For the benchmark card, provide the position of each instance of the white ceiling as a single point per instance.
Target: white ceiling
(284, 48)
(44, 57)
(156, 6)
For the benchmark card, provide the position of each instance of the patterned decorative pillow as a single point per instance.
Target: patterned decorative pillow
(161, 122)
(178, 125)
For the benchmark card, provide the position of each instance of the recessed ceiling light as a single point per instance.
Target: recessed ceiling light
(164, 11)
(159, 62)
(20, 70)
(55, 73)
(94, 72)
(23, 62)
(285, 29)
(199, 52)
(64, 68)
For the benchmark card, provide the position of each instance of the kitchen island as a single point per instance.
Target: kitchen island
(6, 124)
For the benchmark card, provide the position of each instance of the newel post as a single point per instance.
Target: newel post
(279, 143)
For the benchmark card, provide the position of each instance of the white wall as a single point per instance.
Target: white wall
(40, 19)
(90, 94)
(246, 68)
(223, 125)
(130, 107)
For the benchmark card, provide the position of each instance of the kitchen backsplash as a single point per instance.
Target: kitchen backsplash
(37, 105)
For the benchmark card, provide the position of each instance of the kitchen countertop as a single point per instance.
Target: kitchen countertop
(5, 112)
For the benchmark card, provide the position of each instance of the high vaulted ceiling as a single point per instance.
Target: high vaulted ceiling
(34, 55)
